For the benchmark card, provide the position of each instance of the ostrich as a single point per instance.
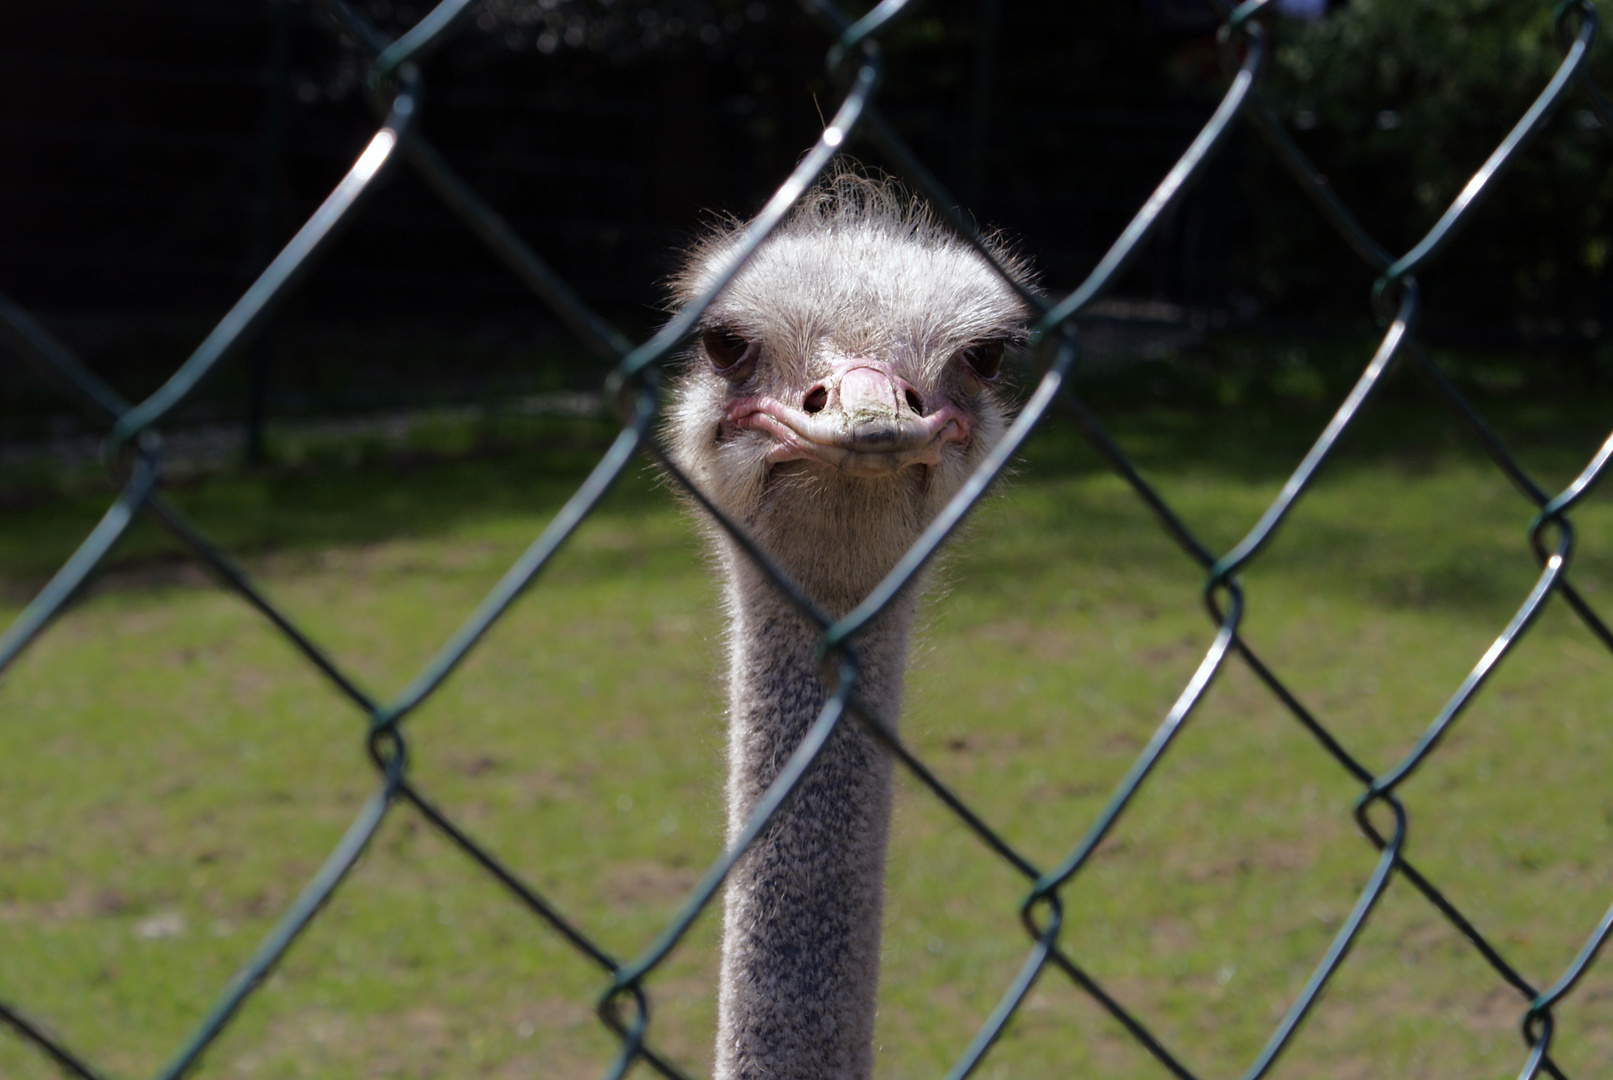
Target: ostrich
(845, 385)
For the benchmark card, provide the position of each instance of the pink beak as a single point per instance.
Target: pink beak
(863, 419)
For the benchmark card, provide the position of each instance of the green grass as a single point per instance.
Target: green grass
(171, 772)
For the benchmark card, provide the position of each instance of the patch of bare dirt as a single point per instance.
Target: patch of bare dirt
(165, 571)
(552, 1037)
(646, 882)
(1281, 855)
(77, 905)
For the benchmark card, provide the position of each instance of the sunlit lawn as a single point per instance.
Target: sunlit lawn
(172, 771)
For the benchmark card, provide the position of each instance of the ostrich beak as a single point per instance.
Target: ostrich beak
(863, 419)
(871, 403)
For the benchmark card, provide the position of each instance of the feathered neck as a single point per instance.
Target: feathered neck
(801, 928)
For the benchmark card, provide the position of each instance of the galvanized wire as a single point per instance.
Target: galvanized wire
(134, 451)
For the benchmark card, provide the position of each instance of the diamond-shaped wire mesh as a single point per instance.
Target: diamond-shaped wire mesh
(134, 450)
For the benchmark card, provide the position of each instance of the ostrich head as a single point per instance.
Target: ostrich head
(846, 382)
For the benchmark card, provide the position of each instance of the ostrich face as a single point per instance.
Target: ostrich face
(845, 384)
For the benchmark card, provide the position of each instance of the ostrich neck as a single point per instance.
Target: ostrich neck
(801, 924)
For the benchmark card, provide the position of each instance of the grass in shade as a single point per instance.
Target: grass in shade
(172, 772)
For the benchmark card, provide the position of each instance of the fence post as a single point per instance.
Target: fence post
(268, 214)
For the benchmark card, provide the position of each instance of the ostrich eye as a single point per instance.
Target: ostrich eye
(729, 353)
(985, 359)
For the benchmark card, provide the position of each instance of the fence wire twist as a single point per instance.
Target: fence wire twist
(133, 449)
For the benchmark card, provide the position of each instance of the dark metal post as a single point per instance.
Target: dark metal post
(980, 107)
(263, 242)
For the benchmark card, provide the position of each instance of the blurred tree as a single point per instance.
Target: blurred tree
(1398, 102)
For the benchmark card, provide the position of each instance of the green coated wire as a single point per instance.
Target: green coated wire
(856, 63)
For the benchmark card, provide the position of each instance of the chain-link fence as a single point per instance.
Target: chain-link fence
(134, 450)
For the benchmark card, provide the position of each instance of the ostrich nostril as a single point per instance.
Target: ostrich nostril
(816, 399)
(915, 402)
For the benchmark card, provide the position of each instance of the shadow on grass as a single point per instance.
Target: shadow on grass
(1254, 419)
(348, 495)
(1218, 464)
(1408, 513)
